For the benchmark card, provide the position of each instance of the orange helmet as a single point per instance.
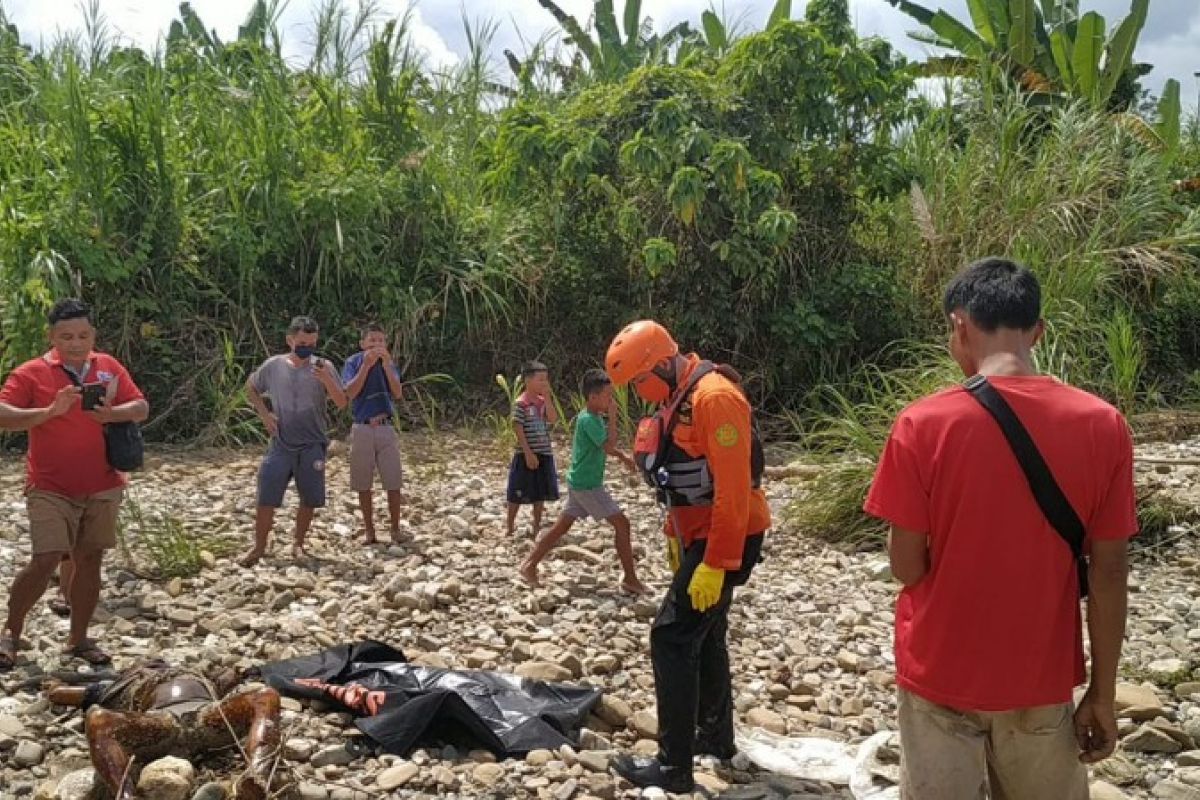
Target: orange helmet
(638, 348)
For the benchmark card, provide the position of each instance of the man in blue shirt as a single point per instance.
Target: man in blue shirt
(372, 383)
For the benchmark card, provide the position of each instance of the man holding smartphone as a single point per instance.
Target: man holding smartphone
(373, 384)
(299, 384)
(64, 399)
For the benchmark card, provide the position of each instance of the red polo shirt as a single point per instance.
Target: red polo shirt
(995, 624)
(66, 454)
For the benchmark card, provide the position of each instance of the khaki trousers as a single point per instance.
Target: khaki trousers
(1026, 754)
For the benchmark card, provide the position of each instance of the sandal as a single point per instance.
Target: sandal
(8, 652)
(90, 652)
(60, 607)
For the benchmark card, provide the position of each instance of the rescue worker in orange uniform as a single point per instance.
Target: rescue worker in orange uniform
(702, 454)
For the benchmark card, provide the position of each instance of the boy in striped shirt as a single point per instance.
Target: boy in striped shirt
(532, 479)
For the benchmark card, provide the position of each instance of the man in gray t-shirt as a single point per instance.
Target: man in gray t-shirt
(298, 384)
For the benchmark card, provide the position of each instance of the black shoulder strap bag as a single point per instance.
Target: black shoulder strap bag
(1046, 491)
(123, 445)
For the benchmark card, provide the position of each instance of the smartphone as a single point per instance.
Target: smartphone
(92, 394)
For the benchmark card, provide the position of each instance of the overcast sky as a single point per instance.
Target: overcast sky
(1168, 41)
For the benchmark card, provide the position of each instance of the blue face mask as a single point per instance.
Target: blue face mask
(303, 351)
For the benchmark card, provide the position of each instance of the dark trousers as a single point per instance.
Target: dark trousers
(691, 663)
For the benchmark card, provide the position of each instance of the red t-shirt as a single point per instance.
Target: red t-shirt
(995, 624)
(66, 454)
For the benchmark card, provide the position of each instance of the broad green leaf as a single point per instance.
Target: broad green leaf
(714, 31)
(686, 193)
(578, 36)
(1119, 54)
(918, 12)
(1169, 113)
(982, 19)
(633, 22)
(1085, 58)
(781, 13)
(963, 38)
(1022, 45)
(1001, 21)
(928, 37)
(1043, 60)
(608, 35)
(1060, 47)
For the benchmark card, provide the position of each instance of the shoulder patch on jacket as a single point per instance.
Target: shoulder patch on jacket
(727, 435)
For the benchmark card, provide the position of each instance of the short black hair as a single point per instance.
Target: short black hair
(302, 324)
(68, 308)
(594, 380)
(531, 368)
(371, 327)
(996, 293)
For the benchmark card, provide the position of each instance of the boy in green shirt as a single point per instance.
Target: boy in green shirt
(586, 495)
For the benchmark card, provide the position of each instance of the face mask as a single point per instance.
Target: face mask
(303, 351)
(653, 389)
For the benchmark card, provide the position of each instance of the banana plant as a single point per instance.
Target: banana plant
(716, 36)
(618, 48)
(1044, 46)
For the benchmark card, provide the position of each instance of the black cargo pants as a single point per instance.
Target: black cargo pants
(691, 663)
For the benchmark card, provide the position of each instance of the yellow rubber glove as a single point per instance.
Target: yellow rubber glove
(673, 553)
(705, 588)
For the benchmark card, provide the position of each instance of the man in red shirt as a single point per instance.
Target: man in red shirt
(72, 494)
(988, 634)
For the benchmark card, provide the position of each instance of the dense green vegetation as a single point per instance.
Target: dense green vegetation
(783, 198)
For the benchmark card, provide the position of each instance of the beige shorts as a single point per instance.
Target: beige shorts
(59, 524)
(1026, 754)
(375, 448)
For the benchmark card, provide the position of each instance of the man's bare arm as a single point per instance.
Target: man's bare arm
(908, 552)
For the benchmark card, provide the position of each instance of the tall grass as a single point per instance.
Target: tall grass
(202, 194)
(1068, 192)
(1084, 202)
(846, 428)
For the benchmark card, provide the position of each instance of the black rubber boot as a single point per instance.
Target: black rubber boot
(646, 772)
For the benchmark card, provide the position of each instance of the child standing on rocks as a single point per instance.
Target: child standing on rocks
(532, 479)
(594, 440)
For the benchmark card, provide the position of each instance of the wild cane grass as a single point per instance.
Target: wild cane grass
(1066, 191)
(847, 430)
(229, 176)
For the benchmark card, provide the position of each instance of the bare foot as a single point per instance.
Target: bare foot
(369, 536)
(299, 553)
(634, 587)
(251, 557)
(251, 787)
(399, 537)
(528, 574)
(9, 645)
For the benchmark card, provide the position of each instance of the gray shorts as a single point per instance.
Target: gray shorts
(281, 464)
(594, 503)
(375, 448)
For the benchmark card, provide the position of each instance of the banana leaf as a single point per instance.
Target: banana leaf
(714, 31)
(782, 12)
(1022, 44)
(1085, 58)
(1119, 54)
(963, 38)
(1169, 113)
(918, 12)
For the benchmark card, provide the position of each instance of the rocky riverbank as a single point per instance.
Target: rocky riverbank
(810, 636)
